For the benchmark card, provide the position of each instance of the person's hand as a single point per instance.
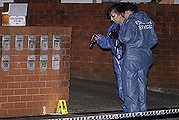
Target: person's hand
(93, 40)
(95, 37)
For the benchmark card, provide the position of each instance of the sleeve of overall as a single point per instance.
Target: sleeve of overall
(128, 32)
(154, 37)
(103, 42)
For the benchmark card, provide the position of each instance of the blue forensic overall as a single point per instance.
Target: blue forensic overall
(106, 43)
(139, 36)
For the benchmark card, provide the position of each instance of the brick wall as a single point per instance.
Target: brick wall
(24, 91)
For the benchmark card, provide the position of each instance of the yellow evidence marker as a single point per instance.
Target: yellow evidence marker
(62, 107)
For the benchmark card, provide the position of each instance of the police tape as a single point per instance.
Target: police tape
(110, 116)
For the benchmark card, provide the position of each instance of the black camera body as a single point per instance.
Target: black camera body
(113, 34)
(92, 41)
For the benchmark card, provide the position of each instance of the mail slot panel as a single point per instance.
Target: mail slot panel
(44, 42)
(43, 62)
(5, 62)
(19, 42)
(31, 42)
(56, 42)
(31, 62)
(55, 62)
(6, 42)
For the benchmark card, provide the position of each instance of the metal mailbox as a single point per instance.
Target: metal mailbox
(31, 62)
(44, 42)
(19, 42)
(43, 62)
(6, 42)
(31, 42)
(5, 62)
(56, 42)
(55, 62)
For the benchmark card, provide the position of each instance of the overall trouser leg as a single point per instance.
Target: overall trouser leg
(142, 73)
(134, 89)
(117, 69)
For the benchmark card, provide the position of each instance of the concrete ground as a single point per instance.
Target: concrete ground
(94, 97)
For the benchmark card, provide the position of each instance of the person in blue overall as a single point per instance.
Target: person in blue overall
(139, 37)
(108, 42)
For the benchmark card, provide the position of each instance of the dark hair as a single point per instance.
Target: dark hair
(129, 6)
(116, 8)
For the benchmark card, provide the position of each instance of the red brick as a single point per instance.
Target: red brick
(15, 72)
(3, 85)
(20, 105)
(39, 97)
(3, 99)
(46, 91)
(6, 105)
(20, 78)
(13, 85)
(39, 84)
(52, 84)
(20, 91)
(33, 91)
(7, 92)
(33, 78)
(14, 112)
(51, 96)
(26, 111)
(13, 98)
(27, 72)
(6, 78)
(26, 98)
(27, 84)
(60, 90)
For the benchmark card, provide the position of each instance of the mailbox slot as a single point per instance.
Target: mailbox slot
(31, 62)
(56, 62)
(5, 62)
(6, 42)
(43, 62)
(56, 42)
(19, 42)
(31, 42)
(44, 42)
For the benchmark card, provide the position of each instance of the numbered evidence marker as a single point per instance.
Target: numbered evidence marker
(5, 62)
(62, 107)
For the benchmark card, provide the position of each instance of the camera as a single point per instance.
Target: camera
(92, 41)
(113, 34)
